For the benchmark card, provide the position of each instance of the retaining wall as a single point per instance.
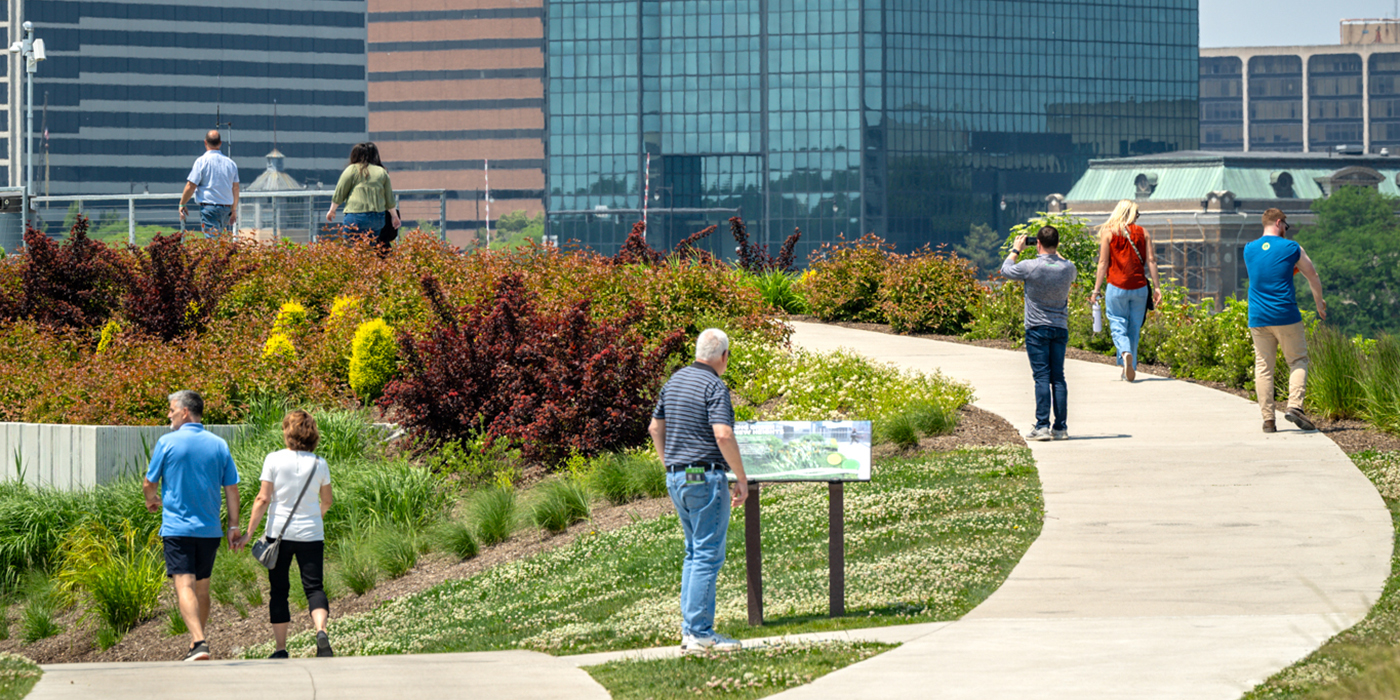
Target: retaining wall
(73, 457)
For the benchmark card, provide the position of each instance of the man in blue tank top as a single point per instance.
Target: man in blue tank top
(1274, 319)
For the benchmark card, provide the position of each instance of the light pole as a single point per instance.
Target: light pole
(33, 51)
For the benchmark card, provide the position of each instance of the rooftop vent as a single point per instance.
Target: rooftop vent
(1346, 149)
(1146, 184)
(1282, 182)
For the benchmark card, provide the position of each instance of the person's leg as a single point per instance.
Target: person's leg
(213, 219)
(188, 602)
(206, 549)
(1137, 313)
(1265, 352)
(709, 503)
(1058, 389)
(311, 562)
(675, 485)
(1294, 340)
(1038, 351)
(1117, 307)
(279, 586)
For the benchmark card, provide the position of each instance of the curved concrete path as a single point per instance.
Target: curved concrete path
(1185, 553)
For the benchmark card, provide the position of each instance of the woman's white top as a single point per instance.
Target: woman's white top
(287, 471)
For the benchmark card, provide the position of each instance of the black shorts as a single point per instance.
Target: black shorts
(191, 555)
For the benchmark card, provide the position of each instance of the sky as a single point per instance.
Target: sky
(1283, 22)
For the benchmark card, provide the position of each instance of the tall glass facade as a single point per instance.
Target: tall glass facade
(914, 119)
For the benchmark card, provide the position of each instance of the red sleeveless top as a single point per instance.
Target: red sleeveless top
(1125, 271)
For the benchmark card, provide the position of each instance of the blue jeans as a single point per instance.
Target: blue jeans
(367, 222)
(704, 512)
(1126, 309)
(213, 218)
(1045, 345)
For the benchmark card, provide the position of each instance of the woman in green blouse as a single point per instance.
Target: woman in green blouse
(365, 191)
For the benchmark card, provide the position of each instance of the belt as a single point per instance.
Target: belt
(211, 204)
(708, 466)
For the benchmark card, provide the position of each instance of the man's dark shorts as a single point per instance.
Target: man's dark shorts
(191, 555)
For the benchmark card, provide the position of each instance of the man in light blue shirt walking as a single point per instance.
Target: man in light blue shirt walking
(191, 465)
(213, 182)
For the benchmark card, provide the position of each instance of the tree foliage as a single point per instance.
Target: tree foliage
(1355, 245)
(981, 247)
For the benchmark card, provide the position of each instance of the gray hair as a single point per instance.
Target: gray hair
(711, 345)
(188, 399)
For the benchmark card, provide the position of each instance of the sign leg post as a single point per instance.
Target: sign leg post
(836, 548)
(753, 557)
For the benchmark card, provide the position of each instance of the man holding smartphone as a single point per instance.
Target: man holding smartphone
(1048, 278)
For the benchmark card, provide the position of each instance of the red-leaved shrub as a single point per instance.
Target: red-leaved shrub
(551, 383)
(842, 281)
(174, 286)
(754, 257)
(73, 285)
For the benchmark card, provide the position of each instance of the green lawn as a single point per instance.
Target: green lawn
(1362, 662)
(17, 676)
(741, 675)
(928, 539)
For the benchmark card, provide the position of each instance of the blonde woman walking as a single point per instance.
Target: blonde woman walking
(1125, 257)
(287, 478)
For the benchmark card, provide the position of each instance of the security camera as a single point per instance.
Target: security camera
(28, 26)
(39, 53)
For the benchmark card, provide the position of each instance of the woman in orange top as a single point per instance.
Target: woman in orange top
(1125, 256)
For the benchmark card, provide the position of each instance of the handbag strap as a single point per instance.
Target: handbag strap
(304, 487)
(1133, 245)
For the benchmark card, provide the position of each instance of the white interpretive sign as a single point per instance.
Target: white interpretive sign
(792, 450)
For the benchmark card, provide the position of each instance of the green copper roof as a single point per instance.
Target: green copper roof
(1193, 174)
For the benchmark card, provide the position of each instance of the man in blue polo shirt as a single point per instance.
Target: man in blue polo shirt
(191, 465)
(692, 429)
(1274, 318)
(213, 182)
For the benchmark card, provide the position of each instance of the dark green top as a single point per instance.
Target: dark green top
(370, 192)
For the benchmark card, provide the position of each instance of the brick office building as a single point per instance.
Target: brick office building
(453, 84)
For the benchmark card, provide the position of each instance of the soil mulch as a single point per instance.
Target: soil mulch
(228, 632)
(1351, 435)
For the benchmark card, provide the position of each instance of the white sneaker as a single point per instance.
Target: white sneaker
(715, 642)
(1059, 434)
(1040, 435)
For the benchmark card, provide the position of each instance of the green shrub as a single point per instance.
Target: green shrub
(37, 619)
(646, 475)
(345, 435)
(456, 539)
(106, 637)
(559, 503)
(373, 359)
(118, 573)
(1001, 315)
(1336, 371)
(1381, 387)
(898, 429)
(385, 493)
(779, 289)
(934, 417)
(627, 476)
(357, 568)
(395, 550)
(476, 460)
(175, 622)
(494, 514)
(842, 281)
(929, 292)
(236, 580)
(4, 622)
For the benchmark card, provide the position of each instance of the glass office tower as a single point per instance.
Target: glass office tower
(913, 119)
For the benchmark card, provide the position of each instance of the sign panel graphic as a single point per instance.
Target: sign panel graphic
(805, 450)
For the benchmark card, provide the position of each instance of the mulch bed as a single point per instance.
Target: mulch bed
(227, 631)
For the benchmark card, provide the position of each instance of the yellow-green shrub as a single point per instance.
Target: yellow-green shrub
(279, 345)
(290, 317)
(373, 356)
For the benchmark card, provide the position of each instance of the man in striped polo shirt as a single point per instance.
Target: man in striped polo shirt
(692, 429)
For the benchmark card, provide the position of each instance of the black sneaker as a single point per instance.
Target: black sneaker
(280, 654)
(323, 645)
(1296, 417)
(199, 651)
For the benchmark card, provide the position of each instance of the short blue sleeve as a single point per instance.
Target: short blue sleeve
(230, 471)
(157, 466)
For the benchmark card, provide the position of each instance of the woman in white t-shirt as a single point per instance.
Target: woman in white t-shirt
(285, 474)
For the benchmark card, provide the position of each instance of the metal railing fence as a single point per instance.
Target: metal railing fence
(296, 215)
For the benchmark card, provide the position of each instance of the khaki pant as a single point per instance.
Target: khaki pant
(1267, 340)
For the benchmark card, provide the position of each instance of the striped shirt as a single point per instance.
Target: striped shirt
(693, 400)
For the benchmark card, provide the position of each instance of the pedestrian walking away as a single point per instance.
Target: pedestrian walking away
(213, 183)
(187, 469)
(296, 523)
(1274, 318)
(1126, 256)
(1048, 278)
(365, 191)
(692, 429)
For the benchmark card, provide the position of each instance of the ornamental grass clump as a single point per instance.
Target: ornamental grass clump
(1337, 369)
(118, 573)
(493, 512)
(624, 477)
(395, 549)
(559, 503)
(455, 538)
(357, 567)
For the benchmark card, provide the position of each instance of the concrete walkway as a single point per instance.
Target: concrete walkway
(1185, 554)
